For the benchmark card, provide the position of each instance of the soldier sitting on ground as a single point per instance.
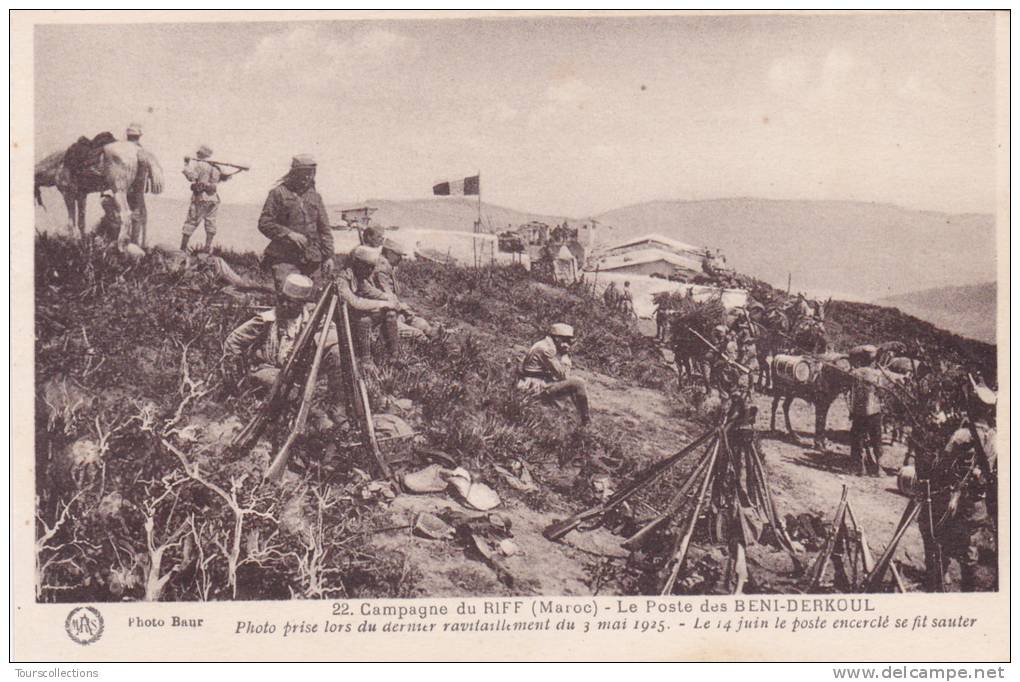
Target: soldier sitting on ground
(368, 305)
(264, 343)
(545, 371)
(409, 325)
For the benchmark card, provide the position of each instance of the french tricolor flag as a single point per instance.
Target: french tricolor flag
(468, 187)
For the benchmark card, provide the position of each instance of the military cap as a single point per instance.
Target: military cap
(561, 329)
(134, 129)
(204, 151)
(303, 161)
(394, 247)
(298, 287)
(365, 254)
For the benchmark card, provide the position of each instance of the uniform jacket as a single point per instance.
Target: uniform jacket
(543, 362)
(266, 340)
(286, 211)
(864, 398)
(203, 173)
(362, 295)
(972, 505)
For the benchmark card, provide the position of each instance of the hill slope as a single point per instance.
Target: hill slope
(848, 249)
(967, 310)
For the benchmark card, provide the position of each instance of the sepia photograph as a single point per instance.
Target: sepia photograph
(453, 306)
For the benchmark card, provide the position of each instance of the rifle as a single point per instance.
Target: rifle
(874, 579)
(279, 463)
(247, 436)
(359, 390)
(991, 481)
(675, 503)
(558, 529)
(220, 163)
(742, 368)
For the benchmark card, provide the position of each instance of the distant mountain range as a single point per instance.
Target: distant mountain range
(968, 310)
(850, 250)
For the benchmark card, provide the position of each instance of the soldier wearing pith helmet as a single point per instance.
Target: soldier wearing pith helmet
(205, 178)
(369, 305)
(545, 371)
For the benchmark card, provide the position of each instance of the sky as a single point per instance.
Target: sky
(564, 116)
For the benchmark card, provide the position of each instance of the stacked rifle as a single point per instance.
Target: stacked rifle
(302, 370)
(727, 487)
(854, 568)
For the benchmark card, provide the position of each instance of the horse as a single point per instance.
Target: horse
(689, 354)
(127, 172)
(831, 378)
(773, 338)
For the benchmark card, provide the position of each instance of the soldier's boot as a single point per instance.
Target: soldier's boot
(391, 335)
(184, 241)
(362, 332)
(208, 242)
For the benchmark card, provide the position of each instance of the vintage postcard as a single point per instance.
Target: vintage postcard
(510, 336)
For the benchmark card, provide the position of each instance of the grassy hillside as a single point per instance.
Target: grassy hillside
(134, 410)
(969, 310)
(848, 249)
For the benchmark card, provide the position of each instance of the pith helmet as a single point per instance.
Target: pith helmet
(204, 151)
(365, 254)
(561, 329)
(864, 351)
(982, 392)
(297, 287)
(394, 247)
(303, 161)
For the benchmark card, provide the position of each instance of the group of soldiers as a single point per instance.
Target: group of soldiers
(300, 258)
(959, 517)
(621, 300)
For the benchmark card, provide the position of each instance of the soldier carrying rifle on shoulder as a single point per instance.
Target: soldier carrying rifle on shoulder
(205, 176)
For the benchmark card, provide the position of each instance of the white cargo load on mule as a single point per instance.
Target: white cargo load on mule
(804, 368)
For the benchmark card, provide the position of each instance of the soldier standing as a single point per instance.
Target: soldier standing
(205, 199)
(865, 411)
(295, 221)
(136, 195)
(962, 486)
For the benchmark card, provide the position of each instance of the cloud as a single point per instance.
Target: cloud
(313, 57)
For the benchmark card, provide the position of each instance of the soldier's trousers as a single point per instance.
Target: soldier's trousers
(280, 271)
(362, 324)
(866, 430)
(199, 212)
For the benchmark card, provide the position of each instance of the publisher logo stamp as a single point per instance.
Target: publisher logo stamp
(84, 625)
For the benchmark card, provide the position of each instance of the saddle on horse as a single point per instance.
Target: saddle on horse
(84, 159)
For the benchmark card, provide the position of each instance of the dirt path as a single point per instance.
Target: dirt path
(802, 481)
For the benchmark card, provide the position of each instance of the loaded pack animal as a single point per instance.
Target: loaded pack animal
(827, 376)
(773, 338)
(690, 355)
(122, 168)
